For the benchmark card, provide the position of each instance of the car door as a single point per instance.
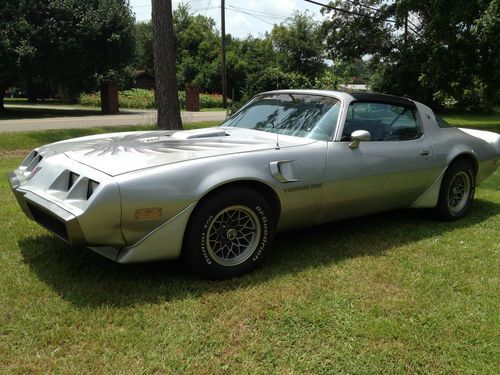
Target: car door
(390, 171)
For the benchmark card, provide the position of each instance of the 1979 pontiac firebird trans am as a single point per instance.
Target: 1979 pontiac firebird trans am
(216, 196)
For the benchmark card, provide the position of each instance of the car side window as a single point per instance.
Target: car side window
(385, 122)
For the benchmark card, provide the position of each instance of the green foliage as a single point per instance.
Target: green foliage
(144, 47)
(198, 49)
(449, 58)
(145, 99)
(11, 31)
(135, 98)
(329, 80)
(299, 46)
(349, 36)
(487, 31)
(67, 45)
(292, 55)
(211, 101)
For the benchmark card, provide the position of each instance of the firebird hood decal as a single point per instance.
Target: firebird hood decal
(116, 154)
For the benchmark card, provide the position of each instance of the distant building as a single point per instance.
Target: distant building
(14, 92)
(144, 80)
(354, 87)
(356, 84)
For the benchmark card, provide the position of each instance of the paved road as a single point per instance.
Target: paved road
(127, 117)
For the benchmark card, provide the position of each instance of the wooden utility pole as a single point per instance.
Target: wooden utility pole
(166, 97)
(406, 29)
(223, 52)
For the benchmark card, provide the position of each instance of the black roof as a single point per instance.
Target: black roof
(382, 98)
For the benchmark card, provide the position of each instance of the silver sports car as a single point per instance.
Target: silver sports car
(287, 159)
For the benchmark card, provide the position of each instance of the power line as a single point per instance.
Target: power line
(231, 8)
(350, 11)
(360, 14)
(259, 13)
(206, 10)
(241, 10)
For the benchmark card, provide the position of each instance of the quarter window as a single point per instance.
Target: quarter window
(442, 122)
(385, 122)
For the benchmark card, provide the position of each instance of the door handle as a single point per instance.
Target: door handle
(425, 152)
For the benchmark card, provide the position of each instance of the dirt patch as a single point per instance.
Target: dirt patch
(11, 154)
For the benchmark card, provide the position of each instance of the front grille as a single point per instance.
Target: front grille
(49, 221)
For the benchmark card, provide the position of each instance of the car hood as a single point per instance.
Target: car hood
(119, 153)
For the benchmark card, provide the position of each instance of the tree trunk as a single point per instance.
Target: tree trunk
(166, 97)
(2, 93)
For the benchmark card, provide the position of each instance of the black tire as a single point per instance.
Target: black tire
(457, 191)
(229, 234)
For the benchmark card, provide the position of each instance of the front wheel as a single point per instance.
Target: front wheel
(457, 191)
(229, 233)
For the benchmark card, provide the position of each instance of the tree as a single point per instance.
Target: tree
(197, 46)
(299, 46)
(487, 31)
(64, 45)
(290, 56)
(144, 46)
(10, 34)
(166, 97)
(77, 43)
(435, 51)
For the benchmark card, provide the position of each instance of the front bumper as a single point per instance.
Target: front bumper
(164, 242)
(83, 207)
(77, 203)
(62, 223)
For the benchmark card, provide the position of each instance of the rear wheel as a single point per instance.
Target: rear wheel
(229, 233)
(457, 190)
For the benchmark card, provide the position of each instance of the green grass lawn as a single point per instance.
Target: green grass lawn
(392, 293)
(479, 121)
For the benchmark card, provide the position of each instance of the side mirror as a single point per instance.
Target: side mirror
(358, 136)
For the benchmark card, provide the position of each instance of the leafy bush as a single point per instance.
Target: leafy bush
(211, 100)
(136, 98)
(90, 100)
(145, 99)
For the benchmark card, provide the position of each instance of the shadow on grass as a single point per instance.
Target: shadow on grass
(88, 280)
(20, 113)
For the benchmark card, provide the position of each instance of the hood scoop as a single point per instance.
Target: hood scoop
(199, 133)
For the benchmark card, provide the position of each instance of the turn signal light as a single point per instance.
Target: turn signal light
(148, 213)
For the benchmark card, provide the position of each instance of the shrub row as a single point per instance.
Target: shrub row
(145, 99)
